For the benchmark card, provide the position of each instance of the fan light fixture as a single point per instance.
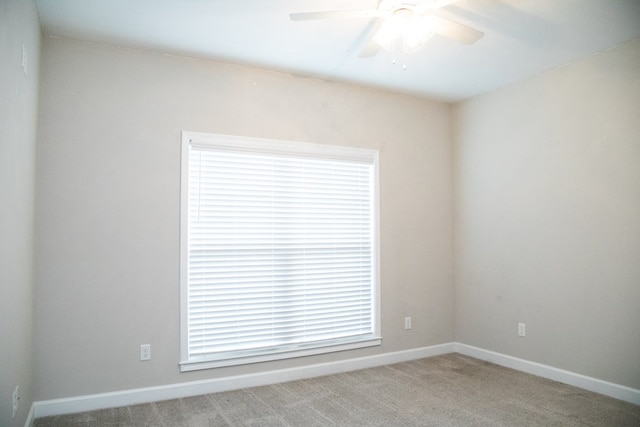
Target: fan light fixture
(405, 25)
(410, 22)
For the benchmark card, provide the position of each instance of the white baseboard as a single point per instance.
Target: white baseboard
(616, 391)
(31, 416)
(194, 388)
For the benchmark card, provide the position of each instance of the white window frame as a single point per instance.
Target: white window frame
(257, 145)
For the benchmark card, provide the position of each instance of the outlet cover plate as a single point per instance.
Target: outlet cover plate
(145, 352)
(407, 322)
(522, 329)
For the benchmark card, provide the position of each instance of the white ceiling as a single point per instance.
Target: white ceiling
(522, 38)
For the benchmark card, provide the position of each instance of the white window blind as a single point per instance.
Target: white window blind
(280, 249)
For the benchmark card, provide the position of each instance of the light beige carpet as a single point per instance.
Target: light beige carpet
(449, 390)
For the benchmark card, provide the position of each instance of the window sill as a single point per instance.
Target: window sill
(187, 366)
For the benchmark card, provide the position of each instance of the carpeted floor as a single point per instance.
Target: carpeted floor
(449, 390)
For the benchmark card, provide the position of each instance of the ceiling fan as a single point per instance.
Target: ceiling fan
(406, 21)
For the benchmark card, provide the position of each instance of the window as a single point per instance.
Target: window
(278, 250)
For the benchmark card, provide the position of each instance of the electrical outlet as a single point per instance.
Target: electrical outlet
(407, 322)
(16, 399)
(145, 352)
(522, 329)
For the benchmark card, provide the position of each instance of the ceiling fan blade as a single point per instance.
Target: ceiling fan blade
(453, 30)
(335, 14)
(371, 48)
(425, 6)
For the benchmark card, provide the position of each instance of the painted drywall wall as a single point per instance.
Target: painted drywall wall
(19, 26)
(108, 198)
(547, 217)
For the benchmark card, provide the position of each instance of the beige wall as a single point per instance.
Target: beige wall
(545, 191)
(19, 27)
(108, 183)
(547, 217)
